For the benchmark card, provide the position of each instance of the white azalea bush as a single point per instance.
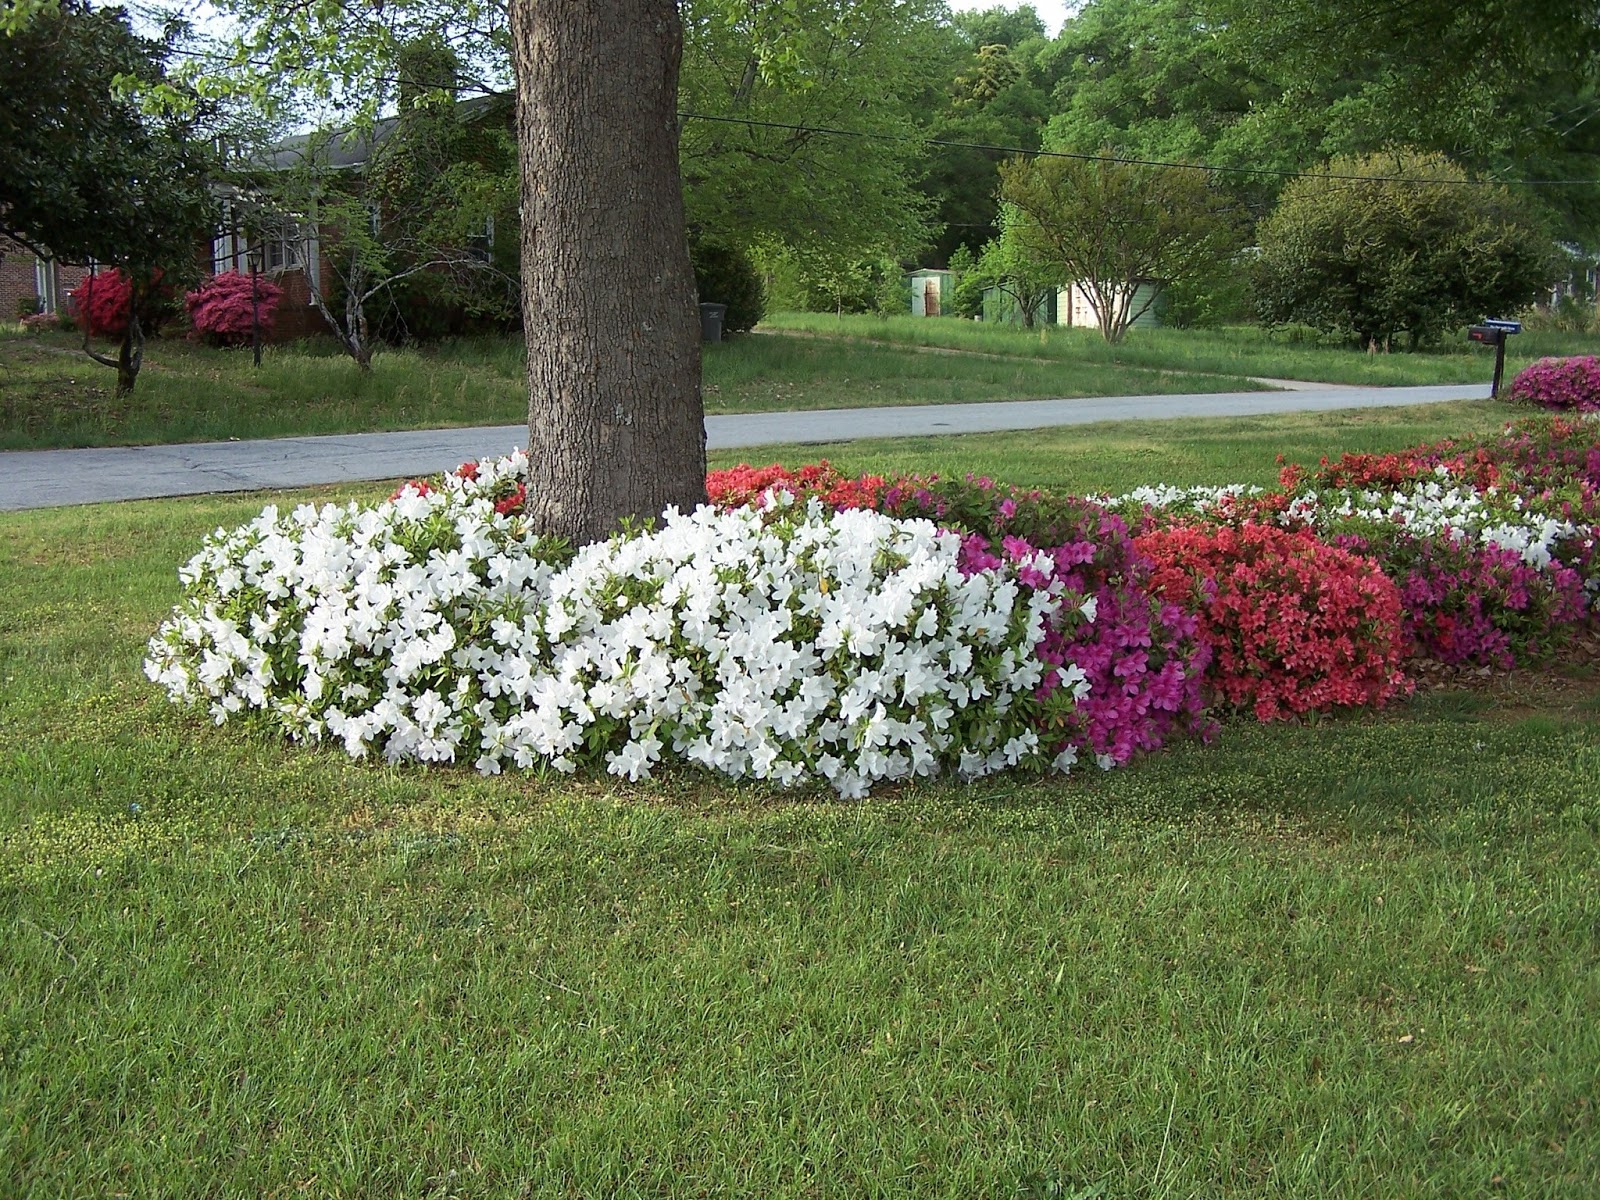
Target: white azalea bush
(784, 643)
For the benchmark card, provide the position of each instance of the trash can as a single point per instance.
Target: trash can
(711, 321)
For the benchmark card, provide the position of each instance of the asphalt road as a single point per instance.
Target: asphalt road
(47, 478)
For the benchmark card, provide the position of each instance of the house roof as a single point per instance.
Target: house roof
(348, 149)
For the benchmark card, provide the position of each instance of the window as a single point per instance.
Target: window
(482, 244)
(284, 246)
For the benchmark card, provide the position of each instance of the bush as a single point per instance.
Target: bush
(1467, 603)
(725, 275)
(1370, 260)
(104, 303)
(781, 642)
(1561, 384)
(224, 307)
(1294, 625)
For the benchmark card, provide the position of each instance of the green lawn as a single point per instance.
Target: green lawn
(52, 395)
(1237, 350)
(1354, 958)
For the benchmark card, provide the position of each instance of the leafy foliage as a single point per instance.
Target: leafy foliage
(855, 65)
(724, 274)
(1423, 253)
(1111, 226)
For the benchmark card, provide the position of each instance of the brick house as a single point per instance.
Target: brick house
(42, 283)
(291, 246)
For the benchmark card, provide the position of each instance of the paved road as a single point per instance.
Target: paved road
(45, 478)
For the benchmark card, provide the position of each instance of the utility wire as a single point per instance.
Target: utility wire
(955, 144)
(1134, 162)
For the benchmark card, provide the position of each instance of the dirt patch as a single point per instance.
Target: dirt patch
(1570, 684)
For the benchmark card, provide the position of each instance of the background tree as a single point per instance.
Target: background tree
(1111, 226)
(1423, 255)
(996, 98)
(1011, 266)
(1503, 87)
(754, 180)
(89, 175)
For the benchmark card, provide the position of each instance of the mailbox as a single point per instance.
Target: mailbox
(1492, 332)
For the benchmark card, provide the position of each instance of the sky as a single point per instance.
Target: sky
(1051, 12)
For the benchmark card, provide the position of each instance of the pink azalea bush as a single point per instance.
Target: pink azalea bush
(224, 307)
(1563, 384)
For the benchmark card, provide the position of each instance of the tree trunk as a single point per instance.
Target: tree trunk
(130, 355)
(615, 423)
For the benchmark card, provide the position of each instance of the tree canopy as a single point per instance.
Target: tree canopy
(89, 174)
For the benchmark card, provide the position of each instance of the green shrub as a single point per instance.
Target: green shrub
(1413, 252)
(724, 274)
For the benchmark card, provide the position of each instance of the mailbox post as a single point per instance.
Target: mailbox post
(1494, 333)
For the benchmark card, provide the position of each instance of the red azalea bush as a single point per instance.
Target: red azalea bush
(104, 302)
(1294, 625)
(1475, 465)
(744, 484)
(221, 308)
(1564, 384)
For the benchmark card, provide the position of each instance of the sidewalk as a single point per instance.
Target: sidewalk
(46, 478)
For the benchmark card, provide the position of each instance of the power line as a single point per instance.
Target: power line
(954, 144)
(1133, 162)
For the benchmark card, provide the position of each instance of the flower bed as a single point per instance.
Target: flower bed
(810, 626)
(785, 642)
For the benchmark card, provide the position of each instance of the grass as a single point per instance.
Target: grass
(51, 395)
(1353, 958)
(1121, 455)
(1234, 350)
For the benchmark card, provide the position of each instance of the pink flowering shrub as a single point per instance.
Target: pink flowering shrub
(221, 307)
(1143, 657)
(1294, 625)
(1563, 384)
(1471, 604)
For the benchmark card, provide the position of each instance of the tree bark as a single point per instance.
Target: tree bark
(615, 423)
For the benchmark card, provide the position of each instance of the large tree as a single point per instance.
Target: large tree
(615, 423)
(89, 175)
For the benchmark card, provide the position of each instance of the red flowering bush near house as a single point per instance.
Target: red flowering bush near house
(1295, 625)
(226, 307)
(104, 303)
(1564, 384)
